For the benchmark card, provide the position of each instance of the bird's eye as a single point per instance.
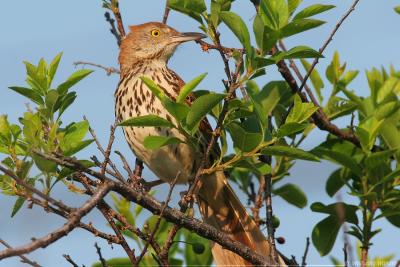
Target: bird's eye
(155, 33)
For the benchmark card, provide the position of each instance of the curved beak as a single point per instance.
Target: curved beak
(187, 36)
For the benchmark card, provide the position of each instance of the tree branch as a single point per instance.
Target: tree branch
(172, 215)
(109, 70)
(74, 219)
(166, 12)
(23, 258)
(330, 38)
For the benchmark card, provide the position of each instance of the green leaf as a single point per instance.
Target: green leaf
(147, 121)
(178, 111)
(198, 251)
(275, 13)
(336, 180)
(339, 210)
(189, 87)
(301, 111)
(312, 11)
(153, 142)
(238, 27)
(182, 6)
(17, 206)
(76, 147)
(29, 93)
(197, 6)
(5, 130)
(72, 80)
(315, 78)
(266, 37)
(53, 68)
(271, 94)
(340, 158)
(367, 131)
(247, 135)
(302, 52)
(44, 165)
(115, 262)
(292, 194)
(298, 26)
(290, 128)
(292, 5)
(200, 107)
(397, 9)
(324, 234)
(290, 152)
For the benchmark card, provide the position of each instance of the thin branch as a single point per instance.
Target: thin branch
(23, 258)
(33, 189)
(304, 258)
(166, 12)
(74, 219)
(108, 150)
(88, 227)
(102, 260)
(144, 250)
(113, 29)
(118, 17)
(105, 210)
(125, 164)
(70, 260)
(106, 153)
(330, 38)
(109, 70)
(345, 255)
(319, 117)
(269, 212)
(300, 76)
(258, 202)
(120, 34)
(172, 215)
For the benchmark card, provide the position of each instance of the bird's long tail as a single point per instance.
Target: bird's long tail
(220, 207)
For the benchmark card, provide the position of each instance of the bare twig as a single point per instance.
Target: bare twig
(138, 168)
(88, 227)
(113, 29)
(269, 211)
(345, 255)
(304, 258)
(109, 70)
(70, 260)
(160, 216)
(330, 38)
(105, 210)
(108, 150)
(62, 231)
(125, 163)
(102, 260)
(300, 76)
(106, 153)
(166, 12)
(258, 202)
(34, 190)
(120, 34)
(23, 258)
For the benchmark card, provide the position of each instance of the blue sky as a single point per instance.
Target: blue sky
(34, 29)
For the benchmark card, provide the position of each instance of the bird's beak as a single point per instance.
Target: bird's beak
(187, 36)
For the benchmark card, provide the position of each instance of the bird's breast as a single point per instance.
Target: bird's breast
(132, 99)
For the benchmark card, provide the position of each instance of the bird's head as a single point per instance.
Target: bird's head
(152, 41)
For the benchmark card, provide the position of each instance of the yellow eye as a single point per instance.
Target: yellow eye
(155, 33)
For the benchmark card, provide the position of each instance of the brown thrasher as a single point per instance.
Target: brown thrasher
(145, 52)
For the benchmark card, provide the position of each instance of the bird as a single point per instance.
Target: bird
(145, 52)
